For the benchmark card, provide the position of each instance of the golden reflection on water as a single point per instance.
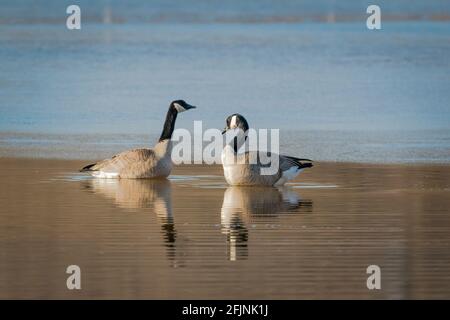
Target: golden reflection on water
(154, 194)
(243, 204)
(192, 236)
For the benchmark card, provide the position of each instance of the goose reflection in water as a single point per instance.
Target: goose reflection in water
(143, 193)
(241, 205)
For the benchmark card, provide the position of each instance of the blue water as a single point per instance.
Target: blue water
(336, 90)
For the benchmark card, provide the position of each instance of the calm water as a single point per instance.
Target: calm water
(337, 90)
(193, 237)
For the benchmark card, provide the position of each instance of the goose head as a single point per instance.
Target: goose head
(236, 131)
(236, 121)
(181, 106)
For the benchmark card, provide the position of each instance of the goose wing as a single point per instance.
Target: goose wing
(122, 160)
(287, 162)
(262, 159)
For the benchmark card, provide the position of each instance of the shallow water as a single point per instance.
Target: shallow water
(337, 91)
(193, 237)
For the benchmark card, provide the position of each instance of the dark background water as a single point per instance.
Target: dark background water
(337, 90)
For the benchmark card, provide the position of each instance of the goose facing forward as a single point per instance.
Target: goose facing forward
(143, 163)
(245, 168)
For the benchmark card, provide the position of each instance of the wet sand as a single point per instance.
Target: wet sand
(192, 236)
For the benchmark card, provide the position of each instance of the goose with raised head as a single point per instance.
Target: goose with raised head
(143, 163)
(247, 168)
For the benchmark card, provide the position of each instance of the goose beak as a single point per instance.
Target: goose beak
(224, 130)
(188, 106)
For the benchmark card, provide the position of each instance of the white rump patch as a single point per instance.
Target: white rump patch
(105, 175)
(289, 174)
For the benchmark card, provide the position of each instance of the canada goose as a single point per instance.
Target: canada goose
(245, 168)
(143, 163)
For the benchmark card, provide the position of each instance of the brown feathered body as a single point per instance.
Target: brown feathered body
(136, 164)
(257, 168)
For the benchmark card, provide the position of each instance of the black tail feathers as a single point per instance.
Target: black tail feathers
(301, 162)
(305, 165)
(88, 167)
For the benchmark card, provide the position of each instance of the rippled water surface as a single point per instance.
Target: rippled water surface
(192, 236)
(336, 90)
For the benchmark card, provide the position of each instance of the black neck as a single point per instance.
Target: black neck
(169, 125)
(235, 144)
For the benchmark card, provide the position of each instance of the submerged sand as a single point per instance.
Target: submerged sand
(192, 236)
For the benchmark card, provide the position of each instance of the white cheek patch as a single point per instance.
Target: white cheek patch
(179, 107)
(233, 122)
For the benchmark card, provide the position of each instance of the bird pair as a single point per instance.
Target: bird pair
(239, 168)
